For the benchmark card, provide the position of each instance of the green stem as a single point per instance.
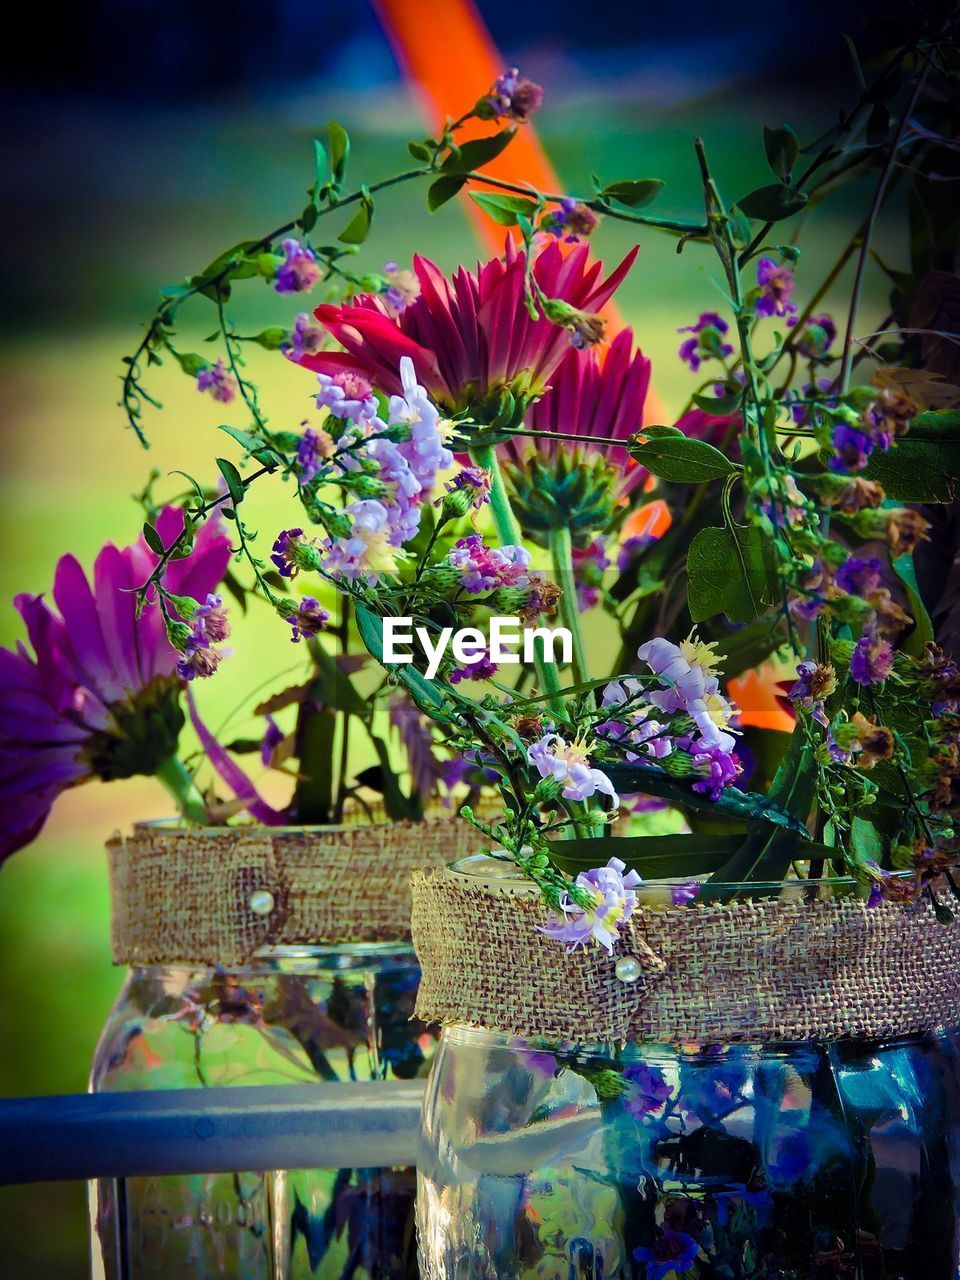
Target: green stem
(508, 530)
(561, 553)
(175, 776)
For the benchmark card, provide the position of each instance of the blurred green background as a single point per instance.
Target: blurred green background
(107, 198)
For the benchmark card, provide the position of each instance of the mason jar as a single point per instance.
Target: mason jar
(795, 1135)
(263, 956)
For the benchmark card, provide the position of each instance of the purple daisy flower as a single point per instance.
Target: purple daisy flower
(613, 902)
(872, 659)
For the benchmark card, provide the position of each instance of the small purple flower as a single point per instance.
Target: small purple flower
(474, 481)
(816, 337)
(298, 272)
(872, 659)
(815, 682)
(284, 553)
(221, 384)
(853, 448)
(211, 623)
(348, 395)
(403, 287)
(649, 1091)
(571, 220)
(681, 895)
(823, 395)
(859, 577)
(673, 1253)
(570, 765)
(633, 547)
(513, 96)
(707, 341)
(273, 735)
(306, 338)
(198, 661)
(719, 768)
(613, 901)
(589, 565)
(776, 286)
(309, 619)
(314, 449)
(477, 668)
(484, 568)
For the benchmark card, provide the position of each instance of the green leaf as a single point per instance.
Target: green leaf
(338, 144)
(766, 854)
(444, 189)
(358, 228)
(319, 163)
(260, 449)
(657, 857)
(332, 688)
(743, 806)
(747, 647)
(922, 632)
(153, 539)
(654, 857)
(233, 480)
(315, 741)
(682, 460)
(782, 149)
(423, 691)
(772, 203)
(420, 151)
(221, 262)
(272, 339)
(191, 363)
(477, 152)
(504, 209)
(731, 571)
(917, 470)
(720, 406)
(636, 193)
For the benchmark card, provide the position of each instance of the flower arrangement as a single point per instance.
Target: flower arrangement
(481, 450)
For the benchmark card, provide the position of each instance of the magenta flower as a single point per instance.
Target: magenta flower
(613, 897)
(470, 338)
(99, 695)
(590, 396)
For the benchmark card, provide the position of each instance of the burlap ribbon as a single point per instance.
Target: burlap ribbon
(216, 896)
(773, 969)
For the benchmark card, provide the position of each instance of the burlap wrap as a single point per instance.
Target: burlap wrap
(780, 969)
(184, 895)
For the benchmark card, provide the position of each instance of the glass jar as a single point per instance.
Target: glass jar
(291, 1015)
(808, 1159)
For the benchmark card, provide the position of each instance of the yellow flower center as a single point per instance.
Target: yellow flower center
(700, 653)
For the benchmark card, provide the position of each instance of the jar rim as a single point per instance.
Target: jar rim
(502, 869)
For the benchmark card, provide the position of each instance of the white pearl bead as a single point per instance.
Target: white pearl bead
(627, 969)
(261, 903)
